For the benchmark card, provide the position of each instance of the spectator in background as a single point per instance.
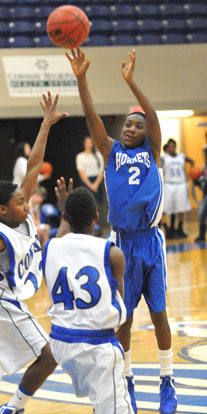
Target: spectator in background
(89, 164)
(176, 199)
(43, 230)
(202, 183)
(23, 150)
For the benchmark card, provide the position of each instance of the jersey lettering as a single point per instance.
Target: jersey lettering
(133, 178)
(32, 279)
(175, 172)
(141, 157)
(61, 292)
(26, 262)
(91, 287)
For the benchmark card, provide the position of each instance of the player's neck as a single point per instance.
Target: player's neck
(87, 231)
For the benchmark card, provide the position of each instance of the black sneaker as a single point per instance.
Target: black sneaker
(181, 234)
(200, 239)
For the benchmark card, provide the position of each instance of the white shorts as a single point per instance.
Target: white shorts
(97, 372)
(176, 199)
(21, 339)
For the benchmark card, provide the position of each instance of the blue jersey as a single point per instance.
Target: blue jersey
(134, 185)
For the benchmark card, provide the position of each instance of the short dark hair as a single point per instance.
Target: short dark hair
(20, 149)
(80, 208)
(165, 147)
(172, 141)
(7, 190)
(138, 113)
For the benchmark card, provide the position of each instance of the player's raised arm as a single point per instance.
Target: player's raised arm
(51, 116)
(152, 122)
(95, 125)
(62, 193)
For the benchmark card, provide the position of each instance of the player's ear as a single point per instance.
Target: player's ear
(3, 209)
(64, 218)
(97, 217)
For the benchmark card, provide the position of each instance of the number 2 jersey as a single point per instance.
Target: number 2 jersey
(134, 185)
(82, 289)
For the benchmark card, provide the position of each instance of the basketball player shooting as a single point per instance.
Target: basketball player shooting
(134, 185)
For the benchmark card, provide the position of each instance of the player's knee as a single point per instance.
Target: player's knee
(47, 358)
(159, 318)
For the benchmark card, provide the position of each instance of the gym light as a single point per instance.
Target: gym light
(175, 113)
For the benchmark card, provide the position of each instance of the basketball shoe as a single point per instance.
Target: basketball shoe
(168, 399)
(130, 383)
(6, 409)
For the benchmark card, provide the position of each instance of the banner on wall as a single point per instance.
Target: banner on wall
(30, 76)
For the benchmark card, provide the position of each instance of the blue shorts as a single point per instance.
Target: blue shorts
(145, 255)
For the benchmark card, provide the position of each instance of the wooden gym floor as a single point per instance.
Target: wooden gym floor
(187, 312)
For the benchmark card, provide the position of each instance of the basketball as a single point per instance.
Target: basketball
(68, 27)
(195, 173)
(47, 168)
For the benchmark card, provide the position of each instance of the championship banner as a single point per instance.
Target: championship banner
(30, 76)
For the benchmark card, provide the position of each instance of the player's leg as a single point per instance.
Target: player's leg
(32, 380)
(202, 220)
(180, 231)
(132, 294)
(169, 191)
(107, 387)
(155, 296)
(96, 371)
(182, 205)
(124, 336)
(23, 341)
(168, 399)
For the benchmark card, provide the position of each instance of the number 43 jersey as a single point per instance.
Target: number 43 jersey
(82, 289)
(134, 185)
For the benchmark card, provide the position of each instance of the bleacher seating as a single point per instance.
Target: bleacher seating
(113, 22)
(146, 10)
(122, 39)
(148, 39)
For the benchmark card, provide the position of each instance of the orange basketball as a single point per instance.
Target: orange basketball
(195, 173)
(68, 27)
(47, 168)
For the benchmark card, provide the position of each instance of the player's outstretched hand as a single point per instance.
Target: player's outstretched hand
(127, 70)
(62, 193)
(78, 62)
(51, 115)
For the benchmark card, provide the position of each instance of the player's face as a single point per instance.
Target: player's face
(171, 148)
(134, 131)
(16, 210)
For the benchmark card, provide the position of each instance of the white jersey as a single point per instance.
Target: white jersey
(174, 168)
(24, 275)
(91, 163)
(81, 285)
